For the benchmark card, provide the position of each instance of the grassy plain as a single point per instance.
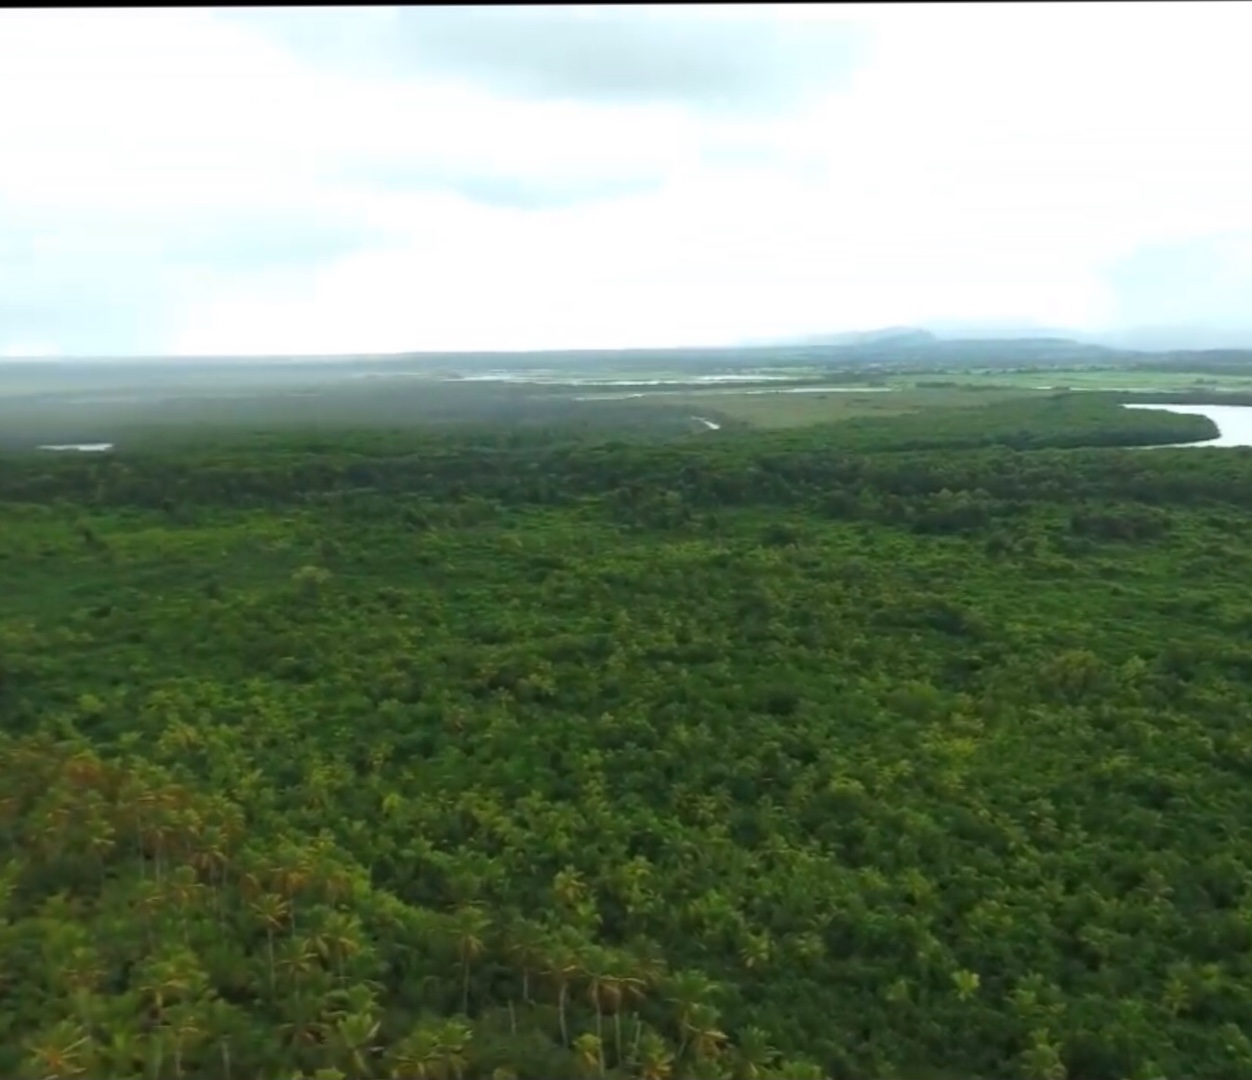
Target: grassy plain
(1088, 378)
(790, 409)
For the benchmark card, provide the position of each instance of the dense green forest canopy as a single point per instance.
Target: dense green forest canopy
(915, 747)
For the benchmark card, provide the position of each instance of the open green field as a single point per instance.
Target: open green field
(941, 391)
(1087, 378)
(790, 409)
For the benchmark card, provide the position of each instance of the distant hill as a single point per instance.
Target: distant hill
(1139, 339)
(1001, 330)
(895, 336)
(896, 348)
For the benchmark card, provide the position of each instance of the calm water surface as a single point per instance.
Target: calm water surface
(89, 448)
(1233, 421)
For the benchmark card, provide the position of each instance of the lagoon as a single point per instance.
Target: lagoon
(87, 448)
(1234, 422)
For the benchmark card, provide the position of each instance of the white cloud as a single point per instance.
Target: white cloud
(31, 350)
(995, 162)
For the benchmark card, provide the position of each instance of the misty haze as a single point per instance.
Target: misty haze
(616, 543)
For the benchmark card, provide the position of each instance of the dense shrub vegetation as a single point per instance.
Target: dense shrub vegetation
(918, 748)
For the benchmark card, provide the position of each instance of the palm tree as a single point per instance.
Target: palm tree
(188, 827)
(303, 1026)
(63, 1050)
(648, 967)
(706, 1037)
(185, 1027)
(527, 944)
(177, 976)
(655, 1059)
(648, 963)
(84, 770)
(354, 1036)
(454, 1039)
(209, 858)
(161, 828)
(690, 991)
(569, 887)
(81, 970)
(123, 1053)
(220, 1020)
(469, 925)
(50, 825)
(418, 1056)
(290, 873)
(1043, 1060)
(755, 1054)
(628, 985)
(966, 983)
(601, 986)
(393, 802)
(334, 879)
(360, 997)
(296, 957)
(148, 900)
(755, 950)
(338, 937)
(178, 738)
(613, 983)
(564, 964)
(184, 893)
(101, 836)
(590, 1053)
(272, 911)
(634, 878)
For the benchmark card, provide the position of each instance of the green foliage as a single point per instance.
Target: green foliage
(492, 756)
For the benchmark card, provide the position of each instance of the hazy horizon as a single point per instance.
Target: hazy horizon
(324, 181)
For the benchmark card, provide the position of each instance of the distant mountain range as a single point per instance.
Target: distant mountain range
(895, 336)
(939, 342)
(1135, 339)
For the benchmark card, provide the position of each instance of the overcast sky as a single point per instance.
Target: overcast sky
(391, 179)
